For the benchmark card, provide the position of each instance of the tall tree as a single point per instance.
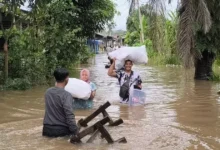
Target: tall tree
(10, 9)
(198, 38)
(58, 29)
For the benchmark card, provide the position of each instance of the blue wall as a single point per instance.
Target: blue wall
(94, 45)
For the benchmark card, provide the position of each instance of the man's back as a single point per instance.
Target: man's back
(58, 109)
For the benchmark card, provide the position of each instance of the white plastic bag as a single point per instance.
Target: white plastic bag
(78, 88)
(136, 97)
(119, 64)
(136, 54)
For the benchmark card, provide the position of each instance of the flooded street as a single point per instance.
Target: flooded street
(180, 113)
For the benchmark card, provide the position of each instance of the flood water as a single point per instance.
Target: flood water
(180, 113)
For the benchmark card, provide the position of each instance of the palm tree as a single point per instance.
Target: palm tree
(198, 38)
(194, 26)
(132, 6)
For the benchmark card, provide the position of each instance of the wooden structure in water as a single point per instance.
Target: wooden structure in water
(98, 127)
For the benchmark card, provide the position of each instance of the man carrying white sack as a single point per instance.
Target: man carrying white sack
(126, 78)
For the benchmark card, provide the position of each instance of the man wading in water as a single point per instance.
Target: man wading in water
(59, 119)
(126, 78)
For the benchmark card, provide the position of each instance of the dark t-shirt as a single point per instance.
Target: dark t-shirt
(59, 110)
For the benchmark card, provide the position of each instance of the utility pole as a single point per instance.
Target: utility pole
(141, 25)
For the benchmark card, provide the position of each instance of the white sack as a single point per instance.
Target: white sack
(119, 64)
(78, 88)
(136, 54)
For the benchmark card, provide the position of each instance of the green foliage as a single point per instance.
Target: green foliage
(217, 62)
(171, 33)
(133, 22)
(55, 38)
(85, 55)
(17, 84)
(172, 59)
(215, 77)
(160, 37)
(216, 71)
(64, 42)
(149, 45)
(132, 38)
(26, 60)
(210, 40)
(89, 19)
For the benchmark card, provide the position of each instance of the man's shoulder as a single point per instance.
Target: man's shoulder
(49, 90)
(58, 91)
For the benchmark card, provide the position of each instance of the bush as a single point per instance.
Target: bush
(172, 60)
(215, 77)
(17, 84)
(85, 55)
(33, 64)
(27, 61)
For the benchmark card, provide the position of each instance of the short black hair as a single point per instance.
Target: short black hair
(61, 74)
(128, 60)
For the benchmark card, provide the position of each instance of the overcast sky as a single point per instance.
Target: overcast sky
(123, 8)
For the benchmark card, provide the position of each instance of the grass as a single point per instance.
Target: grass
(163, 58)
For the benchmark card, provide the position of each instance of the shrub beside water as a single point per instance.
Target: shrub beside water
(17, 84)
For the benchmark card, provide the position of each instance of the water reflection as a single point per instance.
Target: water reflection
(198, 113)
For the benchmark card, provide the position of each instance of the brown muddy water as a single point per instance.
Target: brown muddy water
(180, 114)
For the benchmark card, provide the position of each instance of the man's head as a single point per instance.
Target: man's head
(128, 65)
(61, 75)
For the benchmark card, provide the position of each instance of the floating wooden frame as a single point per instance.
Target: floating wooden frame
(98, 127)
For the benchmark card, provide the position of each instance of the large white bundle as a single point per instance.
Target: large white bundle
(78, 88)
(109, 49)
(137, 54)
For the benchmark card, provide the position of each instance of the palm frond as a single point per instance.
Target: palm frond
(132, 6)
(157, 6)
(186, 35)
(203, 16)
(157, 11)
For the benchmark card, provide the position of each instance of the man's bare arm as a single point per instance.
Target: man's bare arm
(111, 70)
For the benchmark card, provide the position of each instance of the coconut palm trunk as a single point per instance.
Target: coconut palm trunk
(203, 66)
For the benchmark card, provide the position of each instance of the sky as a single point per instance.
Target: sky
(123, 7)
